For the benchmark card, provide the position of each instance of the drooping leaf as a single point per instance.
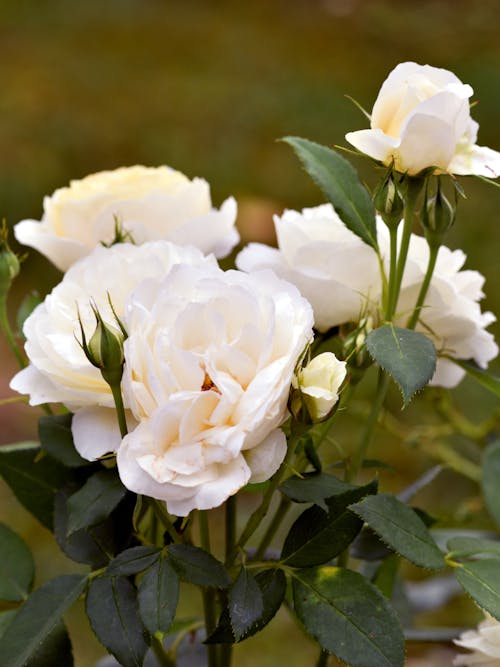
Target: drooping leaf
(489, 381)
(34, 479)
(318, 536)
(481, 580)
(340, 182)
(95, 501)
(17, 568)
(400, 527)
(490, 481)
(113, 613)
(197, 566)
(56, 439)
(132, 561)
(348, 616)
(55, 650)
(407, 355)
(158, 596)
(469, 546)
(245, 603)
(38, 618)
(272, 584)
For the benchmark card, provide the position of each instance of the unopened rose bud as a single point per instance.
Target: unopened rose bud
(9, 263)
(438, 215)
(104, 349)
(318, 385)
(389, 202)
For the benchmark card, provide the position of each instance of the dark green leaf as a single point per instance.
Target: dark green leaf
(94, 546)
(386, 575)
(5, 619)
(408, 356)
(158, 596)
(348, 616)
(197, 566)
(16, 566)
(95, 501)
(340, 182)
(132, 561)
(57, 440)
(54, 650)
(489, 381)
(28, 305)
(490, 481)
(400, 527)
(34, 479)
(313, 488)
(272, 584)
(38, 618)
(113, 613)
(318, 536)
(481, 580)
(245, 603)
(470, 546)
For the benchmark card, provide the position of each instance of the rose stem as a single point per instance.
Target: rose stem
(323, 658)
(392, 297)
(208, 593)
(424, 288)
(9, 335)
(120, 410)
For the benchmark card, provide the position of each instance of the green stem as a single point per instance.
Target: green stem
(392, 289)
(120, 409)
(323, 658)
(367, 436)
(256, 517)
(208, 593)
(231, 508)
(8, 333)
(410, 214)
(161, 513)
(278, 517)
(157, 647)
(424, 288)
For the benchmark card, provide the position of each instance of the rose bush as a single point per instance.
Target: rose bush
(340, 276)
(146, 203)
(420, 119)
(336, 272)
(484, 644)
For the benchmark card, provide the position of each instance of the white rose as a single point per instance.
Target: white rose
(148, 203)
(58, 369)
(420, 119)
(209, 362)
(319, 383)
(336, 272)
(451, 316)
(484, 644)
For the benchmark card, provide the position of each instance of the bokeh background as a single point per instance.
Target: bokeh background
(207, 86)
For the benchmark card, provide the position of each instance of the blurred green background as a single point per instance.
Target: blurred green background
(207, 87)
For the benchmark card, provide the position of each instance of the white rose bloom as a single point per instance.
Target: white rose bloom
(336, 272)
(319, 383)
(420, 119)
(451, 316)
(58, 369)
(148, 203)
(209, 363)
(484, 644)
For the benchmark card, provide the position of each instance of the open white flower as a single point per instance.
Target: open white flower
(147, 203)
(451, 316)
(58, 369)
(336, 272)
(420, 119)
(484, 644)
(209, 363)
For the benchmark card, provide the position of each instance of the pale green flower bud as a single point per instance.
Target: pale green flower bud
(9, 262)
(317, 385)
(438, 215)
(104, 349)
(354, 349)
(388, 201)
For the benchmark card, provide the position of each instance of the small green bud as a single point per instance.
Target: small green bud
(388, 201)
(438, 215)
(9, 262)
(104, 349)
